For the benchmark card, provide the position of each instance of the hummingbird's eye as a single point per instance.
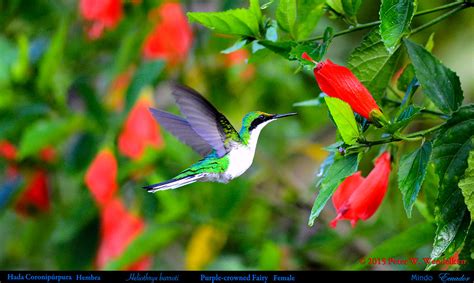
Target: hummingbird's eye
(261, 117)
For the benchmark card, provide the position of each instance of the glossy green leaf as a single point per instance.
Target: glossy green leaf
(151, 240)
(146, 74)
(407, 241)
(343, 116)
(337, 172)
(467, 184)
(282, 48)
(395, 19)
(372, 64)
(351, 6)
(411, 174)
(286, 15)
(336, 5)
(46, 132)
(299, 17)
(242, 22)
(439, 83)
(450, 153)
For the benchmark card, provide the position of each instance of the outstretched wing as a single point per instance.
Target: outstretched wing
(181, 129)
(207, 122)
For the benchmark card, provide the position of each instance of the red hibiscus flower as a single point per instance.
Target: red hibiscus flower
(139, 131)
(338, 81)
(171, 38)
(358, 197)
(102, 14)
(101, 177)
(118, 229)
(35, 198)
(7, 150)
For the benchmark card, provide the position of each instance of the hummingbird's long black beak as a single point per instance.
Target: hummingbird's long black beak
(278, 116)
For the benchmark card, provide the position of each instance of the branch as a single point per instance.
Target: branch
(459, 4)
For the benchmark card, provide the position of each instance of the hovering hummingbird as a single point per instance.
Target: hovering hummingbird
(227, 153)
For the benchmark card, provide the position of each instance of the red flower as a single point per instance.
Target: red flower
(102, 14)
(7, 150)
(48, 154)
(338, 81)
(358, 197)
(139, 131)
(36, 195)
(101, 177)
(238, 59)
(118, 229)
(171, 38)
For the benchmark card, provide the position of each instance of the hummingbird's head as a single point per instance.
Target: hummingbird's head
(254, 122)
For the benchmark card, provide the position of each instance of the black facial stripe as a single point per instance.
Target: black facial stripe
(260, 119)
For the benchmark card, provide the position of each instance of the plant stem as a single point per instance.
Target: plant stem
(460, 5)
(395, 138)
(438, 19)
(426, 111)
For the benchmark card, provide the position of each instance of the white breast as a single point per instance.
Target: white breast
(241, 157)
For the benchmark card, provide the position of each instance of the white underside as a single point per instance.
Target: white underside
(241, 157)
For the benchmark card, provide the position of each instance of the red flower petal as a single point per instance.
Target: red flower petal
(36, 195)
(171, 38)
(359, 198)
(101, 177)
(118, 229)
(48, 154)
(338, 81)
(102, 14)
(7, 150)
(140, 130)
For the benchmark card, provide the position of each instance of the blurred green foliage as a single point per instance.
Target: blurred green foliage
(54, 86)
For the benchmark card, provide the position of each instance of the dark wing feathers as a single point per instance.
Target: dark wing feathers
(206, 121)
(182, 130)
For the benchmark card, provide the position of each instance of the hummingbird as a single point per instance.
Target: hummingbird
(226, 153)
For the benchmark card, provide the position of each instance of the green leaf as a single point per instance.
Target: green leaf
(411, 173)
(299, 17)
(8, 56)
(314, 49)
(242, 22)
(336, 5)
(467, 184)
(439, 83)
(339, 170)
(395, 19)
(146, 74)
(405, 242)
(343, 116)
(372, 64)
(282, 48)
(350, 8)
(236, 46)
(405, 117)
(151, 240)
(461, 228)
(46, 132)
(450, 153)
(52, 58)
(286, 15)
(312, 102)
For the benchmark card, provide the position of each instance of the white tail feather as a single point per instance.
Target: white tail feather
(173, 184)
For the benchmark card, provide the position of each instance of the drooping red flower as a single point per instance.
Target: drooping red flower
(7, 150)
(102, 14)
(101, 177)
(172, 36)
(35, 198)
(358, 197)
(118, 229)
(139, 131)
(338, 81)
